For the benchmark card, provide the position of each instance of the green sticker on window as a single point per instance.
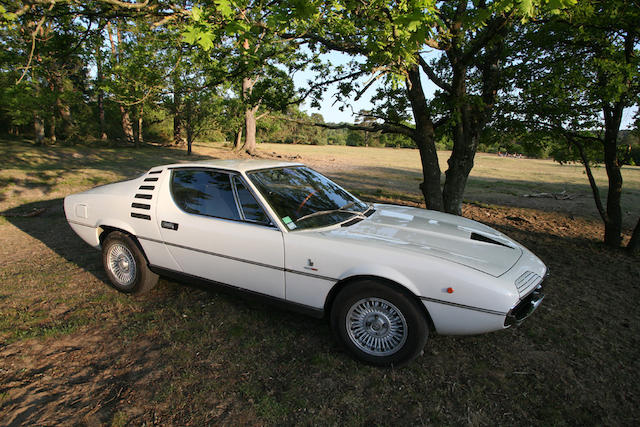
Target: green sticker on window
(287, 220)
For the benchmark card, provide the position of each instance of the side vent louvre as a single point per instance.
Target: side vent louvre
(141, 206)
(483, 238)
(140, 216)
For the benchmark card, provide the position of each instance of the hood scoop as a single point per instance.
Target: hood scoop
(483, 238)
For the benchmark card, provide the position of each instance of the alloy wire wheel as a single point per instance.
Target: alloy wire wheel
(121, 263)
(376, 326)
(126, 265)
(379, 322)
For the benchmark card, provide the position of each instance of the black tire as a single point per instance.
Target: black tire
(396, 336)
(126, 265)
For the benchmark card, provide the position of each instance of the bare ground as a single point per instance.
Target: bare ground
(74, 351)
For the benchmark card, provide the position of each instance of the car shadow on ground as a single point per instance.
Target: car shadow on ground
(132, 343)
(45, 221)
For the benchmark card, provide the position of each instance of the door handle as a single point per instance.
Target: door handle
(169, 225)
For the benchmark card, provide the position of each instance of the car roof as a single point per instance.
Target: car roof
(239, 165)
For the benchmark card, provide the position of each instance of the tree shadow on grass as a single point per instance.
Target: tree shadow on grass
(26, 156)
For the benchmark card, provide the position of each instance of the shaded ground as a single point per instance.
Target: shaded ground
(74, 351)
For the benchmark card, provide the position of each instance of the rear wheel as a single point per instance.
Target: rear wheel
(379, 324)
(125, 264)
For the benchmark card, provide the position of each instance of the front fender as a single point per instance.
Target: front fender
(382, 271)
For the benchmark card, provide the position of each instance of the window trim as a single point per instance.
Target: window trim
(239, 204)
(230, 175)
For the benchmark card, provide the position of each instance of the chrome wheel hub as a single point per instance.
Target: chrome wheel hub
(121, 264)
(376, 326)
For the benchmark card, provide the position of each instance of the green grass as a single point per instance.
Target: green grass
(76, 351)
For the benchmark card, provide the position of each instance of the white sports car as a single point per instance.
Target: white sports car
(384, 275)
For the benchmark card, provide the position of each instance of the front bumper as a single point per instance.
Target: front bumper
(524, 308)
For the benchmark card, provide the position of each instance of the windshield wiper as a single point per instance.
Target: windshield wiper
(330, 211)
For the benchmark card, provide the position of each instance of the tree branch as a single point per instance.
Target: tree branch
(567, 133)
(116, 3)
(491, 30)
(374, 127)
(33, 44)
(592, 181)
(340, 46)
(315, 86)
(369, 84)
(432, 75)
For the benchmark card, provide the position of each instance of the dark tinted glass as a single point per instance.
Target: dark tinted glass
(204, 192)
(250, 207)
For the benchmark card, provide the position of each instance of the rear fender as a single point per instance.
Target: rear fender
(114, 224)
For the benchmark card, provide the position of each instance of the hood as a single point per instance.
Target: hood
(437, 234)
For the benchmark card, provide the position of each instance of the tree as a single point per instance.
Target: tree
(392, 38)
(575, 75)
(55, 78)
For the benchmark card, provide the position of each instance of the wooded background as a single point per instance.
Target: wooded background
(537, 77)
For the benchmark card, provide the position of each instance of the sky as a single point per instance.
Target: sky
(331, 112)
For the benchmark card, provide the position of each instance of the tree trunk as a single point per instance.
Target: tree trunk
(52, 116)
(127, 129)
(424, 136)
(250, 134)
(52, 127)
(140, 138)
(101, 117)
(249, 118)
(465, 144)
(470, 115)
(68, 128)
(237, 143)
(613, 225)
(178, 139)
(189, 126)
(38, 129)
(634, 244)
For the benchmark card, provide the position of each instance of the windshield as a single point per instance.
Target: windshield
(303, 198)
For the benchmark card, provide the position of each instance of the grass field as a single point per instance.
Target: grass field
(74, 351)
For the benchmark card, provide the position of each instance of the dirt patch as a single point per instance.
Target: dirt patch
(87, 377)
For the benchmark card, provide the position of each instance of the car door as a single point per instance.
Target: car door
(215, 229)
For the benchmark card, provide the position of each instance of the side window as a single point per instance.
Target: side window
(204, 192)
(250, 207)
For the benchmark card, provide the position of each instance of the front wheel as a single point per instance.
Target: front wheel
(379, 324)
(126, 265)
